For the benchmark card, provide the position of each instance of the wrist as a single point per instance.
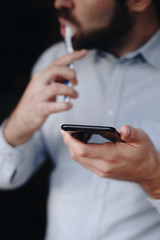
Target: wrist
(152, 186)
(153, 192)
(13, 135)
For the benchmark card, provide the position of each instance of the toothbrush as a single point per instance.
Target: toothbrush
(68, 41)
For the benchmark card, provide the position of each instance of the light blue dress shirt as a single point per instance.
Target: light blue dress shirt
(82, 205)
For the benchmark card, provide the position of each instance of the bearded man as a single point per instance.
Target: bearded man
(112, 190)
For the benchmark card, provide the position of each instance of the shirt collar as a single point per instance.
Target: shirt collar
(149, 52)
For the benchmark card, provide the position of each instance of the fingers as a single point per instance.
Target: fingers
(131, 134)
(56, 72)
(69, 58)
(124, 161)
(86, 155)
(125, 132)
(53, 90)
(55, 107)
(59, 70)
(91, 150)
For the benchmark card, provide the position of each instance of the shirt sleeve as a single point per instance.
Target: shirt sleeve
(17, 164)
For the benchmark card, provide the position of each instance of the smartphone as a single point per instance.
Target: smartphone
(84, 132)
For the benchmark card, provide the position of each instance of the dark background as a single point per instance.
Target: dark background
(27, 28)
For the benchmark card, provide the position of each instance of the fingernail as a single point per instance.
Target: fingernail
(61, 131)
(84, 51)
(75, 94)
(69, 104)
(128, 131)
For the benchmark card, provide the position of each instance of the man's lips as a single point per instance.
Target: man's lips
(63, 22)
(62, 30)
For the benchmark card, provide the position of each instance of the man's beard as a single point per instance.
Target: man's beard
(105, 39)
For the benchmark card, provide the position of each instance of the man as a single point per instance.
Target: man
(118, 83)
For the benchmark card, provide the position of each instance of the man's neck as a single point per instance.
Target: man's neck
(146, 25)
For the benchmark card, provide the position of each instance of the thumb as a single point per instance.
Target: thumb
(130, 134)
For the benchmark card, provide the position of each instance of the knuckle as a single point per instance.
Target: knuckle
(54, 67)
(101, 175)
(55, 88)
(114, 160)
(73, 75)
(105, 170)
(73, 155)
(46, 109)
(51, 89)
(82, 151)
(71, 91)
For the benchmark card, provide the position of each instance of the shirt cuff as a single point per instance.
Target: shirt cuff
(10, 159)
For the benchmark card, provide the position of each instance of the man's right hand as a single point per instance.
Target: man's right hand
(39, 99)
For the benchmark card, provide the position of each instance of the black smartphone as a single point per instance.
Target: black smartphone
(84, 132)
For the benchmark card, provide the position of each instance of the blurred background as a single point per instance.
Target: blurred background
(27, 28)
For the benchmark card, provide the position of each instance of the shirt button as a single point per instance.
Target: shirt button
(110, 112)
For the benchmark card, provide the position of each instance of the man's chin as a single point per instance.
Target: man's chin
(83, 43)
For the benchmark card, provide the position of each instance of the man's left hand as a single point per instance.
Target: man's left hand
(134, 160)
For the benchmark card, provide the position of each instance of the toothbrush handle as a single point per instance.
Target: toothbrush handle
(71, 66)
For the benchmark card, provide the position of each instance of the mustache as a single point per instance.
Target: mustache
(66, 14)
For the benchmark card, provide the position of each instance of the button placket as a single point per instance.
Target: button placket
(113, 91)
